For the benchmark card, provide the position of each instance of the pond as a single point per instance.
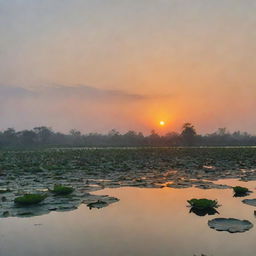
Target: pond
(146, 221)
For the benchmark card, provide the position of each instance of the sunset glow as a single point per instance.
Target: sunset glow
(112, 72)
(150, 101)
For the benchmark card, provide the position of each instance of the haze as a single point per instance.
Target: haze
(97, 65)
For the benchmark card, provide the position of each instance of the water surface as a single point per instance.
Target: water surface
(144, 222)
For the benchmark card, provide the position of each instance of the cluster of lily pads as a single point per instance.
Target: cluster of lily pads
(85, 170)
(202, 207)
(59, 198)
(31, 199)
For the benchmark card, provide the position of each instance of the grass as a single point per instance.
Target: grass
(29, 199)
(203, 204)
(62, 190)
(240, 191)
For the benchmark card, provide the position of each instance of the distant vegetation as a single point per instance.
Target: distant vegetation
(46, 137)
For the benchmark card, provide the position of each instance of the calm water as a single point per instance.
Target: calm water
(144, 222)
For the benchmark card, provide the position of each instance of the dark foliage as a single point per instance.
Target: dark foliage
(29, 199)
(62, 190)
(46, 137)
(240, 191)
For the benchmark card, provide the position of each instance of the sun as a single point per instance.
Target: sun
(162, 123)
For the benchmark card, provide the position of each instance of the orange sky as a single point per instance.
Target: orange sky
(149, 60)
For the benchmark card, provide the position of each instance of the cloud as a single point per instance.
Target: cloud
(61, 91)
(89, 92)
(79, 92)
(64, 107)
(7, 92)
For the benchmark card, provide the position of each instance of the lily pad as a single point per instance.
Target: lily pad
(62, 190)
(180, 184)
(203, 203)
(230, 225)
(98, 204)
(251, 202)
(241, 191)
(202, 207)
(4, 190)
(29, 199)
(211, 185)
(203, 212)
(96, 201)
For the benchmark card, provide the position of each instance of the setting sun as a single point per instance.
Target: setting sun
(162, 123)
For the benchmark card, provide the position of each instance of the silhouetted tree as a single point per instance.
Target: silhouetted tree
(188, 134)
(173, 139)
(114, 137)
(75, 133)
(222, 131)
(43, 134)
(9, 137)
(76, 137)
(154, 139)
(27, 138)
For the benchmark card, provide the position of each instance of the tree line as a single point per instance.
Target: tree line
(45, 137)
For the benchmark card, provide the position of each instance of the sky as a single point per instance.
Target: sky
(95, 65)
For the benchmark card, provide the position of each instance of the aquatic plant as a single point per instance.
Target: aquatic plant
(76, 167)
(203, 212)
(29, 199)
(98, 204)
(240, 191)
(62, 190)
(4, 191)
(251, 202)
(202, 204)
(230, 225)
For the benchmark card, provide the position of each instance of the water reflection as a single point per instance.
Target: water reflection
(144, 222)
(240, 195)
(203, 212)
